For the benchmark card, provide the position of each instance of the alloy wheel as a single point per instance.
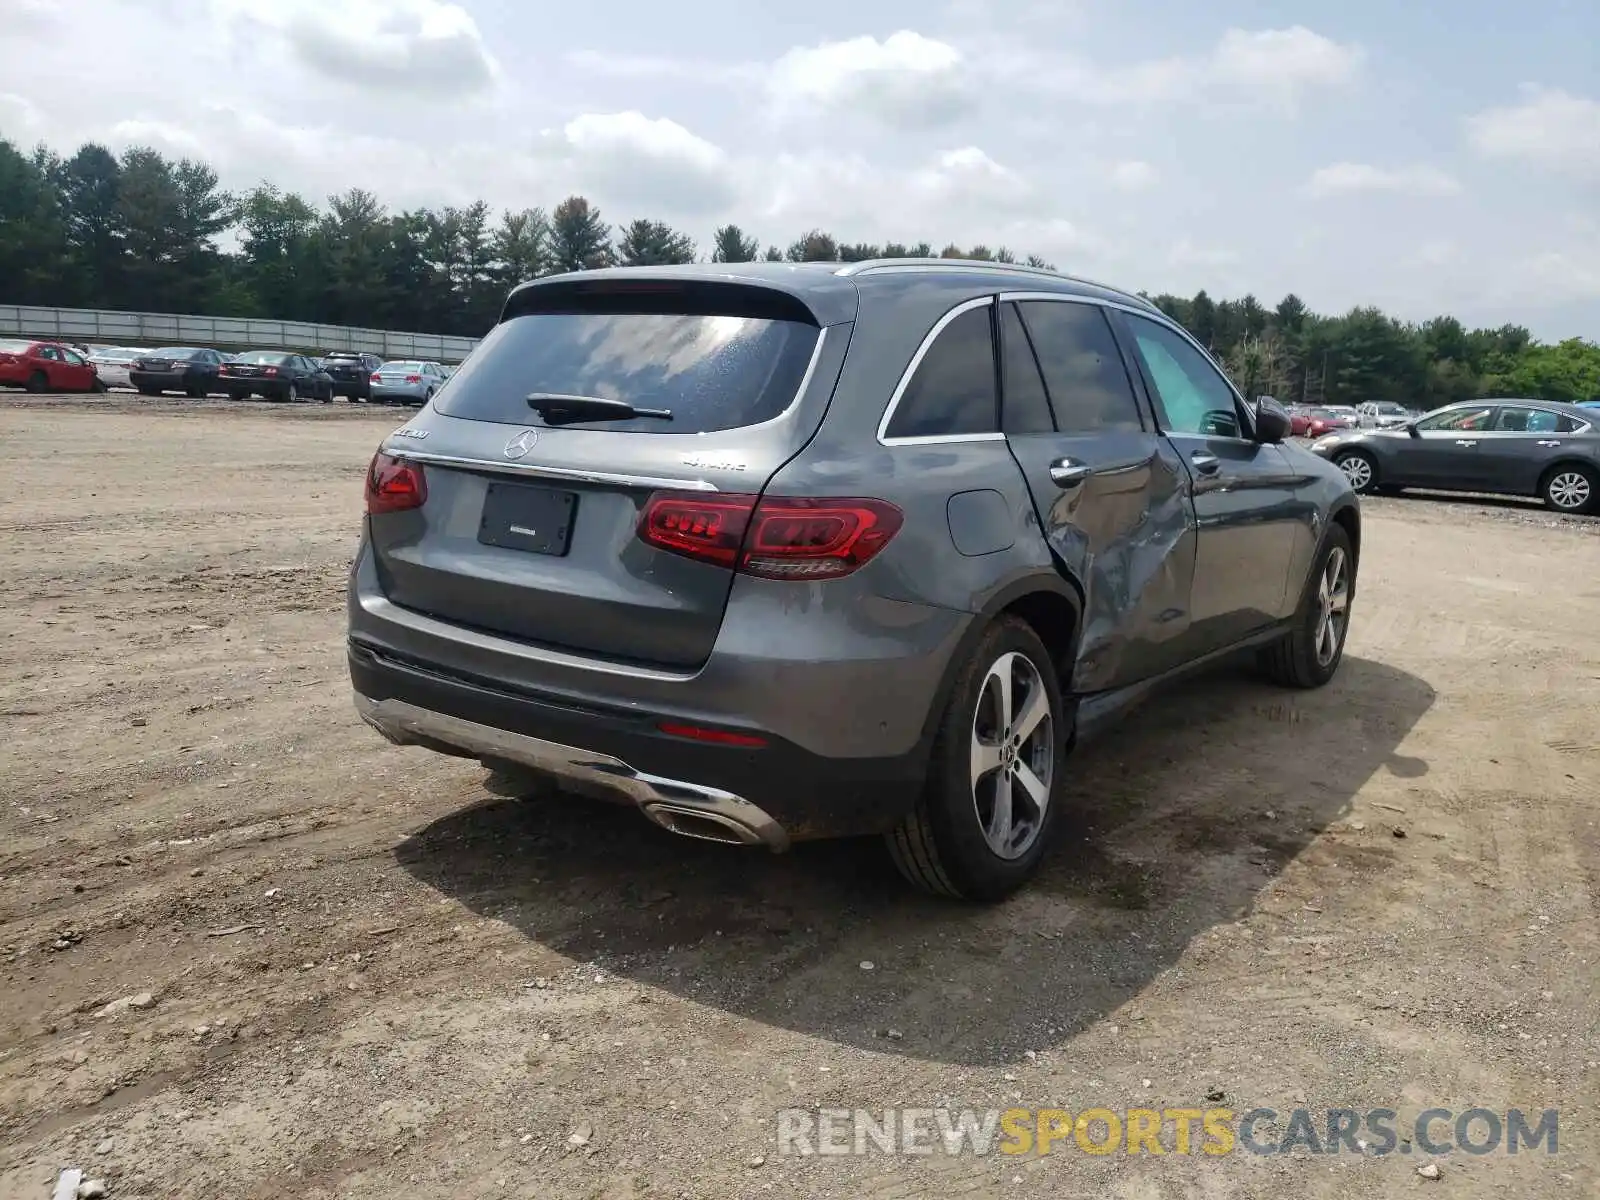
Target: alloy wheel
(1570, 491)
(1333, 606)
(1012, 755)
(1357, 470)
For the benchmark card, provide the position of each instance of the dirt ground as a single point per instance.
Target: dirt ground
(368, 977)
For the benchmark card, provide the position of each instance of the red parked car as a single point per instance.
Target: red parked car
(46, 367)
(1324, 421)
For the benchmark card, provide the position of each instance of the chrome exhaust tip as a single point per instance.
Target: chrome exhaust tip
(706, 826)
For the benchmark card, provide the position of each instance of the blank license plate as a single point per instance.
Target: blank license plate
(535, 519)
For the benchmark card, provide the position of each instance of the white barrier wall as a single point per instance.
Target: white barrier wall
(171, 329)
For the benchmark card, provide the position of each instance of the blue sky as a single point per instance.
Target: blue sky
(1426, 161)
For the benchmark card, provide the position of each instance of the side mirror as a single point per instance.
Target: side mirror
(1272, 421)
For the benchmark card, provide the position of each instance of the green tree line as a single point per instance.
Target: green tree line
(142, 232)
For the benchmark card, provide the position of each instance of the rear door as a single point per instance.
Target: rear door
(76, 371)
(530, 531)
(1111, 495)
(1520, 445)
(52, 360)
(1251, 524)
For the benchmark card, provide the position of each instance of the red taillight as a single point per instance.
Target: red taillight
(395, 485)
(270, 371)
(376, 378)
(776, 537)
(722, 737)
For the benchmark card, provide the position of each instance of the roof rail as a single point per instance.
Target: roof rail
(883, 264)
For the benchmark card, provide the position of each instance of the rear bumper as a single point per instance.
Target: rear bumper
(772, 795)
(165, 380)
(411, 395)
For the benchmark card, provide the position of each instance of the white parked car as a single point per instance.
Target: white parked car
(111, 363)
(1384, 414)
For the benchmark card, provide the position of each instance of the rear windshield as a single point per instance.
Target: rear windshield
(174, 352)
(712, 372)
(261, 356)
(13, 347)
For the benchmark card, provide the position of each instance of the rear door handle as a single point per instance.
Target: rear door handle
(1550, 443)
(1205, 462)
(1459, 442)
(1069, 472)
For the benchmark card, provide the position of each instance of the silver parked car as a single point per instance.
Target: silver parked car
(407, 381)
(777, 552)
(111, 363)
(1384, 414)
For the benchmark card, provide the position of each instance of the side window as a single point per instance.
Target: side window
(50, 354)
(1191, 395)
(74, 359)
(953, 389)
(1566, 424)
(1474, 417)
(1083, 369)
(1024, 406)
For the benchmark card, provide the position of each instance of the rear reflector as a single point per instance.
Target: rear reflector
(774, 537)
(395, 485)
(722, 737)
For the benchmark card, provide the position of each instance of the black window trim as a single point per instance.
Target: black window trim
(1033, 357)
(1143, 403)
(939, 326)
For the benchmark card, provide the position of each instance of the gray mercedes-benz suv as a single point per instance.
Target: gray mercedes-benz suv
(793, 551)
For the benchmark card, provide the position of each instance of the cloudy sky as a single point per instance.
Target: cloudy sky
(1423, 157)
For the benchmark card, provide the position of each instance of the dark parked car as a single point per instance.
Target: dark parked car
(778, 552)
(351, 373)
(185, 369)
(277, 375)
(1511, 447)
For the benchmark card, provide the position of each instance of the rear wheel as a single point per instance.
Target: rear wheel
(1570, 488)
(1359, 469)
(98, 386)
(38, 382)
(983, 821)
(1310, 653)
(149, 391)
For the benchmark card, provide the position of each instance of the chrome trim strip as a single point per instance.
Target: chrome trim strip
(911, 369)
(574, 474)
(385, 609)
(404, 724)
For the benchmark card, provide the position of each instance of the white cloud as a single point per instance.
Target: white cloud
(1282, 60)
(906, 79)
(647, 163)
(1347, 178)
(1272, 68)
(1551, 127)
(421, 46)
(1134, 175)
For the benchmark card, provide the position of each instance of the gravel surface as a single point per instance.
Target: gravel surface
(250, 950)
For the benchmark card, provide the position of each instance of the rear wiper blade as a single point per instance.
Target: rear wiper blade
(557, 409)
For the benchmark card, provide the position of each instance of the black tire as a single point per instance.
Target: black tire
(38, 382)
(1294, 660)
(1562, 489)
(941, 845)
(1358, 464)
(98, 387)
(149, 391)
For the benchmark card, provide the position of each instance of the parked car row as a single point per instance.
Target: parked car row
(198, 371)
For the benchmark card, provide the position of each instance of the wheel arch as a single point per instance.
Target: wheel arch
(1587, 465)
(1052, 607)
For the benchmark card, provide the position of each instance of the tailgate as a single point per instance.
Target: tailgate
(531, 531)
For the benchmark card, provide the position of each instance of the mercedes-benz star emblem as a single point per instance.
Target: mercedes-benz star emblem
(522, 443)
